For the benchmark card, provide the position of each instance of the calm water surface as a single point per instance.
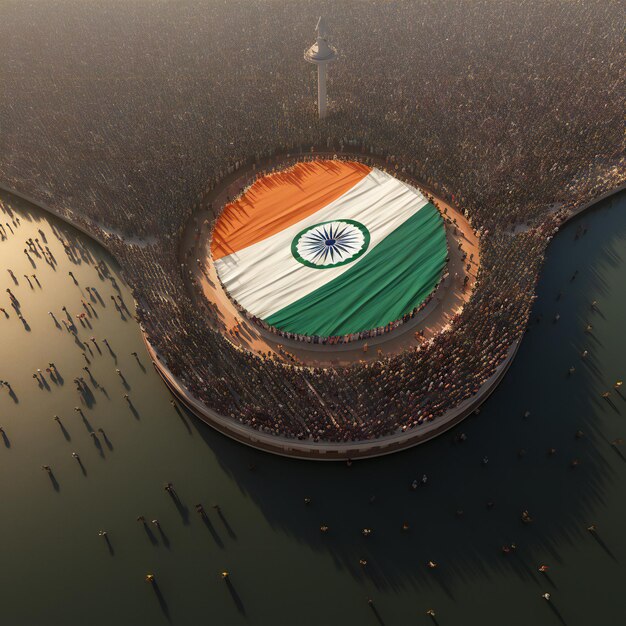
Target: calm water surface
(57, 570)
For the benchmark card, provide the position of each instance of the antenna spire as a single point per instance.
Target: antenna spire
(321, 53)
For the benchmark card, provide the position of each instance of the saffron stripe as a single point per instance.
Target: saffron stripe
(280, 200)
(266, 276)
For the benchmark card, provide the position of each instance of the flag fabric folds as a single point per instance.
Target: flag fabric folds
(329, 248)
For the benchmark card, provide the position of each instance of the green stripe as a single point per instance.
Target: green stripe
(394, 278)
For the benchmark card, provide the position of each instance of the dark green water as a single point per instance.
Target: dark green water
(57, 570)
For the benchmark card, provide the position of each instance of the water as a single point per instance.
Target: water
(57, 570)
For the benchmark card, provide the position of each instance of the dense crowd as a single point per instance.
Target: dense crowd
(334, 340)
(125, 118)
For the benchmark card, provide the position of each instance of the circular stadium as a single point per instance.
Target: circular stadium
(315, 267)
(329, 249)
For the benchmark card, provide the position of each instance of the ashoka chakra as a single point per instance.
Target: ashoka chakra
(330, 244)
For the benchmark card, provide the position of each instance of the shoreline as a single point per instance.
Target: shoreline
(321, 451)
(356, 450)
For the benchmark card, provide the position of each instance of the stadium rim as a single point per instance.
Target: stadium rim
(293, 448)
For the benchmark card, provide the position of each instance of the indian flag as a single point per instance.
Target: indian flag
(329, 248)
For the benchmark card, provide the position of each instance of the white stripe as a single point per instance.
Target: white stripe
(265, 277)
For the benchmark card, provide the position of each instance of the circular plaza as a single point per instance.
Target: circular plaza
(359, 299)
(329, 252)
(329, 264)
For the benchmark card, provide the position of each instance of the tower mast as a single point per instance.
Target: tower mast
(321, 53)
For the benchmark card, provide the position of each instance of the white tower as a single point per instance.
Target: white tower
(321, 53)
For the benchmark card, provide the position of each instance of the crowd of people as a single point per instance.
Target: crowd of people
(509, 110)
(334, 340)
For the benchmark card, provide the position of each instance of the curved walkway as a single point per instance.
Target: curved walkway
(326, 451)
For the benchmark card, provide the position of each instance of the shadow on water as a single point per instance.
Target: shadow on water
(561, 499)
(87, 396)
(65, 432)
(235, 596)
(151, 536)
(86, 422)
(229, 530)
(98, 445)
(161, 599)
(561, 490)
(180, 507)
(132, 408)
(377, 615)
(109, 545)
(557, 613)
(603, 545)
(183, 419)
(211, 529)
(54, 481)
(107, 441)
(164, 537)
